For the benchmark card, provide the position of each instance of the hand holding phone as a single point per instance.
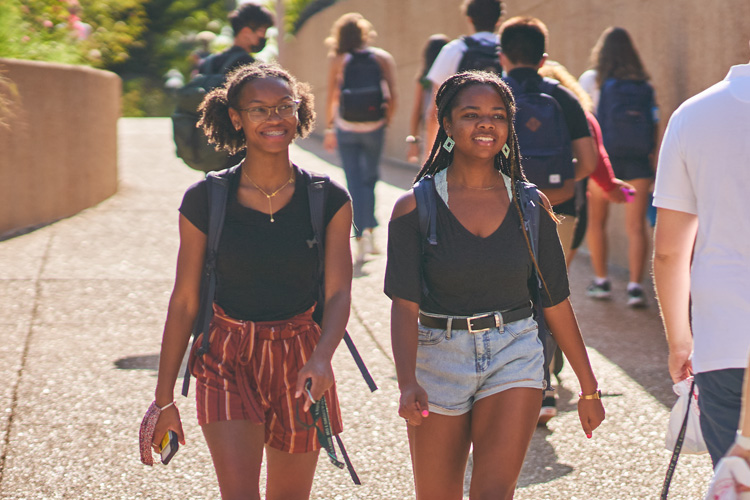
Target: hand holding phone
(629, 194)
(169, 446)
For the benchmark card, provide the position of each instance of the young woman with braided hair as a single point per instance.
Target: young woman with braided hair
(468, 358)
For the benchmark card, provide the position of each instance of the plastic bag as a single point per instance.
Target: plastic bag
(730, 471)
(693, 443)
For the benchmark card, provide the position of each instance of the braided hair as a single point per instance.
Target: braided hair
(441, 159)
(445, 100)
(214, 110)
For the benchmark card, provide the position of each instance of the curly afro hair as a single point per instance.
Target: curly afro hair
(214, 110)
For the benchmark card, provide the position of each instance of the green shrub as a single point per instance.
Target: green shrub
(37, 34)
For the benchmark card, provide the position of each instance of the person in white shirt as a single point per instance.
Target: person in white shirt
(484, 18)
(702, 249)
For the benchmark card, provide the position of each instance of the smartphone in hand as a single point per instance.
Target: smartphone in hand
(169, 446)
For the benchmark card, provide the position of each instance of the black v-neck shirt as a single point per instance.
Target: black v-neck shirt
(465, 274)
(266, 270)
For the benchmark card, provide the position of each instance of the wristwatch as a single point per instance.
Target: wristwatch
(596, 395)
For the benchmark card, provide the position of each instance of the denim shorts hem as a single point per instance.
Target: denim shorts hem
(449, 412)
(526, 384)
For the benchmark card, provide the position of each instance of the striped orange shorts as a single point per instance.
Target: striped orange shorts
(250, 373)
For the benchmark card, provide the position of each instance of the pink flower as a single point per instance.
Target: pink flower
(47, 23)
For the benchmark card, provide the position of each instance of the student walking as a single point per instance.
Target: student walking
(626, 110)
(552, 130)
(477, 51)
(422, 102)
(264, 343)
(361, 101)
(616, 190)
(468, 357)
(702, 250)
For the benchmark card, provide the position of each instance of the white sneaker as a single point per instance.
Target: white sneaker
(372, 247)
(636, 297)
(360, 251)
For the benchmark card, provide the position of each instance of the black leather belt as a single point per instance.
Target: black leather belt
(479, 323)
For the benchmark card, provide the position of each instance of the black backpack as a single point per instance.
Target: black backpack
(481, 55)
(362, 97)
(531, 208)
(543, 136)
(191, 143)
(626, 115)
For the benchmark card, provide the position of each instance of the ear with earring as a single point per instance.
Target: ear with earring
(448, 144)
(506, 150)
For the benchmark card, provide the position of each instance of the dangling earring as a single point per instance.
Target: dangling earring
(448, 144)
(506, 150)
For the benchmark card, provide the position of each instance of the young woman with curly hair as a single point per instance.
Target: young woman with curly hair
(464, 383)
(265, 344)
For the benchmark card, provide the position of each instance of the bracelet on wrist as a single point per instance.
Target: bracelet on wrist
(743, 441)
(596, 395)
(166, 406)
(412, 139)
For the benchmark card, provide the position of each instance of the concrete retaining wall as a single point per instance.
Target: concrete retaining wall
(686, 45)
(58, 152)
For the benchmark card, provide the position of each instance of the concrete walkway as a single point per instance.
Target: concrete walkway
(84, 305)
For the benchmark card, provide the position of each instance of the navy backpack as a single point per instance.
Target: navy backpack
(361, 93)
(543, 135)
(626, 115)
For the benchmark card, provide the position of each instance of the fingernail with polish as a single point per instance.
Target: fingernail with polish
(588, 436)
(425, 413)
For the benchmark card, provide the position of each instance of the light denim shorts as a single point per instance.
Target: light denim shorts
(458, 368)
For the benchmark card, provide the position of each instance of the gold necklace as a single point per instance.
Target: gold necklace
(269, 196)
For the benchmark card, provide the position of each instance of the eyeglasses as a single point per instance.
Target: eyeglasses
(259, 114)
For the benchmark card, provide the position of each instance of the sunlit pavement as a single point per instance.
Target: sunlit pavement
(84, 304)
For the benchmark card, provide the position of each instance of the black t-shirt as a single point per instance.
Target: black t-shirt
(465, 274)
(575, 117)
(266, 270)
(213, 64)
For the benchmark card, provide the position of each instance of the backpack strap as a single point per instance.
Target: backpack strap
(217, 186)
(317, 189)
(677, 446)
(211, 62)
(531, 208)
(424, 192)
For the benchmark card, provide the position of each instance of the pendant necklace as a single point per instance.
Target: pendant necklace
(269, 196)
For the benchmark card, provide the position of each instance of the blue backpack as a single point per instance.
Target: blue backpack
(543, 135)
(626, 115)
(361, 97)
(531, 208)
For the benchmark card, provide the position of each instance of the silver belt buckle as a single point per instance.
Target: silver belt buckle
(479, 316)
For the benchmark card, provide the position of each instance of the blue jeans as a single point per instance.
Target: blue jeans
(360, 154)
(719, 400)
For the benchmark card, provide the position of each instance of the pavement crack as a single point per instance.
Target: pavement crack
(24, 357)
